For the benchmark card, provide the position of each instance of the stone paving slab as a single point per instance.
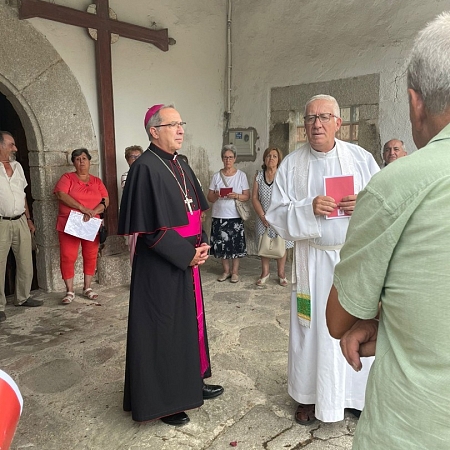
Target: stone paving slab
(69, 363)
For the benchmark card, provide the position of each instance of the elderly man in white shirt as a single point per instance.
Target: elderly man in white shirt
(16, 226)
(319, 378)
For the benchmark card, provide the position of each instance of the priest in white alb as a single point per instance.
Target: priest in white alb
(319, 378)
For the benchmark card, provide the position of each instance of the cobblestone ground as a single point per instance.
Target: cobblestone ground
(69, 362)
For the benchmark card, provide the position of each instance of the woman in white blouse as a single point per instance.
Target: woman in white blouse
(227, 227)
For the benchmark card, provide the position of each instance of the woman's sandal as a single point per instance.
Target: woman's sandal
(304, 415)
(90, 294)
(283, 281)
(224, 277)
(70, 296)
(261, 281)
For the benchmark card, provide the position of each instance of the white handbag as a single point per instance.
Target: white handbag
(271, 247)
(243, 209)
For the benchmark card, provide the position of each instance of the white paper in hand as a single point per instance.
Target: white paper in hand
(84, 230)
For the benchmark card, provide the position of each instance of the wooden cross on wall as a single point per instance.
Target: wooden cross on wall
(105, 27)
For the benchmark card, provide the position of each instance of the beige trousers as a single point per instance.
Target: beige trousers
(16, 235)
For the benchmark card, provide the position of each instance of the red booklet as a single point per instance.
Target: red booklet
(338, 188)
(225, 191)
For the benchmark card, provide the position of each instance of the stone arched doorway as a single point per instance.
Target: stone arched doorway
(53, 111)
(9, 120)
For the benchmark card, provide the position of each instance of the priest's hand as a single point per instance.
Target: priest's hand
(323, 205)
(348, 204)
(360, 341)
(201, 255)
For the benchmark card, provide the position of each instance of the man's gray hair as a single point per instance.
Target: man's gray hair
(394, 139)
(231, 148)
(429, 65)
(2, 134)
(329, 98)
(156, 120)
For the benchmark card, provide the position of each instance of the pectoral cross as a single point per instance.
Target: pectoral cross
(188, 202)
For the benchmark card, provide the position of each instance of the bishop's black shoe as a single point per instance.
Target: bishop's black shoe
(211, 391)
(176, 419)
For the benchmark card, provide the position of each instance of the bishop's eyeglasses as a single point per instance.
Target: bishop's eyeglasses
(324, 118)
(172, 125)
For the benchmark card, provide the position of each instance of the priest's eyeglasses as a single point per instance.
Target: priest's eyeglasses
(172, 125)
(324, 118)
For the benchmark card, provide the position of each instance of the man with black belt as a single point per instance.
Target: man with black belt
(16, 226)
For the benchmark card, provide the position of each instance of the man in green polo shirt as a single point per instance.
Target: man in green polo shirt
(395, 264)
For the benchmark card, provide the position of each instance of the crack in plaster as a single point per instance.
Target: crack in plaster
(397, 83)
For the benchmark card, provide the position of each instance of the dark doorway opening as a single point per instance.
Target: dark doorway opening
(10, 121)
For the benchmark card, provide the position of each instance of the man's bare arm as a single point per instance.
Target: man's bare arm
(358, 337)
(339, 321)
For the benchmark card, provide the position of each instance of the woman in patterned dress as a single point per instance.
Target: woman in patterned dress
(227, 227)
(262, 191)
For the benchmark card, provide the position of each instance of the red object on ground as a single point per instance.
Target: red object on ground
(11, 402)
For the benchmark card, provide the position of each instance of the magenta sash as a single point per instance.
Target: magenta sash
(194, 228)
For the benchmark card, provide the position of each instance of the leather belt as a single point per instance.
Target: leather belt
(11, 218)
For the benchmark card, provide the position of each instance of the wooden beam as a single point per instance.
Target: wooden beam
(51, 11)
(105, 26)
(103, 61)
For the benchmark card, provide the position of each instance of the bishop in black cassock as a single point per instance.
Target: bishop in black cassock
(167, 346)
